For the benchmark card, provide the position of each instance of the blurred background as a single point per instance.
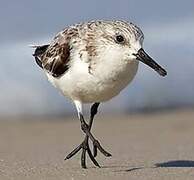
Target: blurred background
(168, 27)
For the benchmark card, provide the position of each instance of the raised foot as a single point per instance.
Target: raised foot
(85, 148)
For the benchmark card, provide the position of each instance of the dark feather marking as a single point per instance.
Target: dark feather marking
(57, 56)
(38, 53)
(38, 61)
(40, 50)
(59, 64)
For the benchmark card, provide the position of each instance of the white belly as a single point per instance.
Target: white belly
(101, 85)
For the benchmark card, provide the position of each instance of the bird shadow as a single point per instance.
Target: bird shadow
(167, 164)
(177, 163)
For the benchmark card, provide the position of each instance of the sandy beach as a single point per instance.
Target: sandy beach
(144, 147)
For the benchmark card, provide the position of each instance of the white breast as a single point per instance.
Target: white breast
(107, 78)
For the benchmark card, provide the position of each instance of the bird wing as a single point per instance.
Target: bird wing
(54, 58)
(38, 53)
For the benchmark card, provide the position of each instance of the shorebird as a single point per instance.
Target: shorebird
(91, 63)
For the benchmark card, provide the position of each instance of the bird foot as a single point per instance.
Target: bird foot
(85, 148)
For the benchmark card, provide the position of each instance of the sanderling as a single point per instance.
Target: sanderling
(91, 63)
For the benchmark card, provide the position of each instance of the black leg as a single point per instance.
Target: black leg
(93, 112)
(85, 145)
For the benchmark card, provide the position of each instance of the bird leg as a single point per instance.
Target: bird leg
(85, 145)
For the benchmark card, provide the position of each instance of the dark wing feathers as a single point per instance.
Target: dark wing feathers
(38, 53)
(40, 50)
(56, 59)
(53, 58)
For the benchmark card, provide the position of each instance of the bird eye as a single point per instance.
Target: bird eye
(120, 39)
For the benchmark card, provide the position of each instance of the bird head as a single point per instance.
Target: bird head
(127, 39)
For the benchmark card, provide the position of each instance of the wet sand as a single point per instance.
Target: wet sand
(144, 147)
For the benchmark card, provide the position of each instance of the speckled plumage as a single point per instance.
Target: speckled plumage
(85, 44)
(58, 52)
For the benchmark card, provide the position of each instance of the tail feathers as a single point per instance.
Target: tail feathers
(39, 52)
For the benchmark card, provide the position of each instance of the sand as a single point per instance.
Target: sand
(157, 146)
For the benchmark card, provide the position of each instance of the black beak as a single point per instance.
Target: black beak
(146, 59)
